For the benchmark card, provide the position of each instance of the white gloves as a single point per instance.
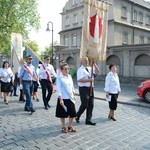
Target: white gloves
(21, 87)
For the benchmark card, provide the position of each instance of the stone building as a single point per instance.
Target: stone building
(128, 36)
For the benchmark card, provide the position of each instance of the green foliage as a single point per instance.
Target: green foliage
(33, 45)
(17, 16)
(48, 50)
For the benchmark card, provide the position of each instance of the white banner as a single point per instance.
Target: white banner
(94, 30)
(16, 50)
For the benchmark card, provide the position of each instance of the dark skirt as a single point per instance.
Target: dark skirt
(60, 111)
(113, 102)
(6, 87)
(35, 86)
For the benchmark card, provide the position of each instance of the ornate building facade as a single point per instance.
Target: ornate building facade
(128, 42)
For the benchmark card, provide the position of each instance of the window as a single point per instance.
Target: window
(141, 17)
(66, 41)
(135, 15)
(74, 40)
(149, 40)
(75, 18)
(67, 21)
(124, 12)
(125, 38)
(147, 20)
(141, 39)
(74, 2)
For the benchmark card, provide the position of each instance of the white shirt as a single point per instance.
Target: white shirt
(112, 84)
(6, 74)
(83, 73)
(19, 69)
(61, 91)
(49, 68)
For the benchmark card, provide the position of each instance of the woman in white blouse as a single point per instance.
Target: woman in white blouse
(65, 105)
(112, 89)
(6, 80)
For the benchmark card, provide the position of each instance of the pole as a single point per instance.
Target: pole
(91, 87)
(52, 37)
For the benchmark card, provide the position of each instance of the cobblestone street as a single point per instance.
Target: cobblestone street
(20, 130)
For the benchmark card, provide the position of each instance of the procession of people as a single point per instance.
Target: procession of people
(29, 80)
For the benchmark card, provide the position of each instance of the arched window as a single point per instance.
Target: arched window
(113, 59)
(70, 61)
(142, 60)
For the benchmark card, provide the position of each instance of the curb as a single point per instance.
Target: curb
(120, 102)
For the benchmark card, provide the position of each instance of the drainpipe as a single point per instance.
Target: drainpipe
(132, 22)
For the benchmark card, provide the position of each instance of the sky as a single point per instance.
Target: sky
(49, 11)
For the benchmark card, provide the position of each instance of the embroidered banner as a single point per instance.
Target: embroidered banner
(16, 50)
(94, 30)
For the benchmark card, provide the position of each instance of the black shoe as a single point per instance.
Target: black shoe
(46, 108)
(90, 123)
(26, 109)
(32, 111)
(77, 120)
(109, 117)
(113, 119)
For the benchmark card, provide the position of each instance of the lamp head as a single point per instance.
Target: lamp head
(47, 29)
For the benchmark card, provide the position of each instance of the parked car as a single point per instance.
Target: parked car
(143, 90)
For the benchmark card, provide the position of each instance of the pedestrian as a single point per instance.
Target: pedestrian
(12, 84)
(112, 89)
(86, 93)
(27, 75)
(58, 71)
(35, 86)
(1, 93)
(6, 80)
(16, 82)
(66, 103)
(21, 97)
(46, 69)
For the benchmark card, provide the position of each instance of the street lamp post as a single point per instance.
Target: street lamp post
(48, 29)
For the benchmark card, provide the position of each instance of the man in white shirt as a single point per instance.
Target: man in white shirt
(86, 93)
(45, 72)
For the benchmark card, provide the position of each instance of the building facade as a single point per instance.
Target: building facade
(128, 36)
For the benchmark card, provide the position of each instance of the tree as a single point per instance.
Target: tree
(33, 45)
(17, 16)
(48, 50)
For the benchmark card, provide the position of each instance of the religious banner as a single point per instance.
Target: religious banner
(16, 50)
(94, 30)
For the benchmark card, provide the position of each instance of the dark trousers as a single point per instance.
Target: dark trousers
(46, 86)
(21, 97)
(87, 102)
(15, 89)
